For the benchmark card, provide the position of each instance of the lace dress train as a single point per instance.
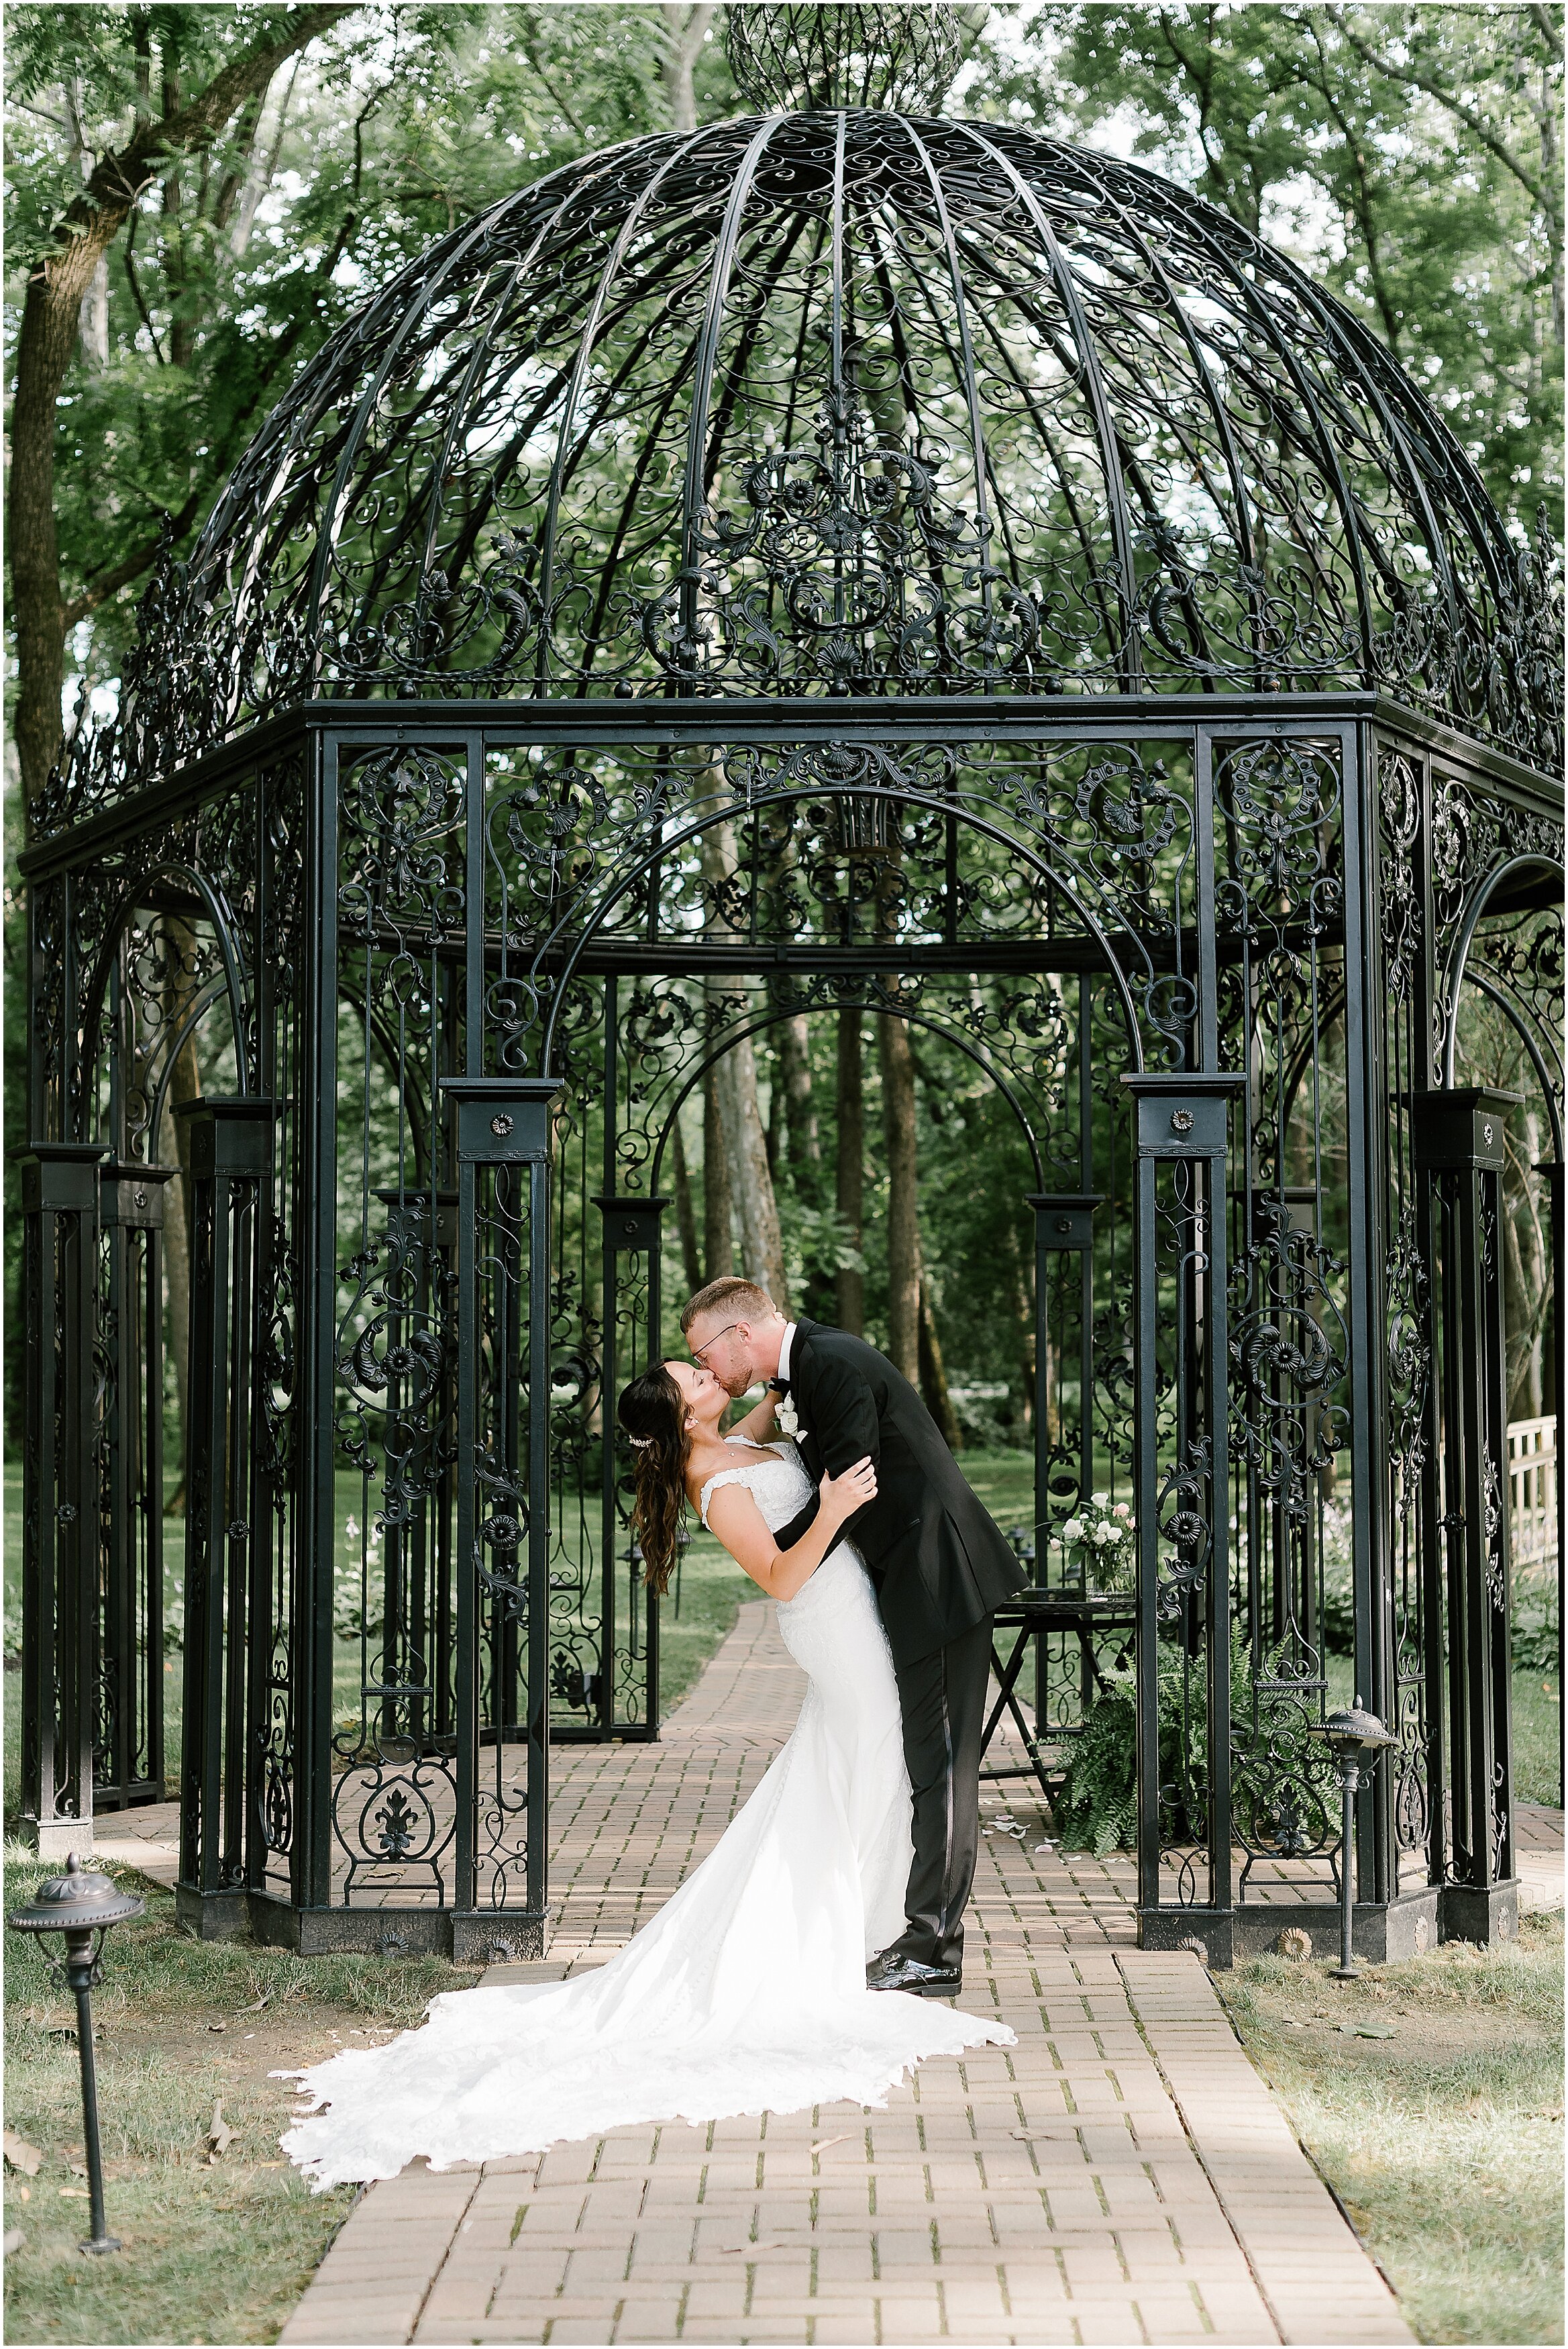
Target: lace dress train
(744, 1993)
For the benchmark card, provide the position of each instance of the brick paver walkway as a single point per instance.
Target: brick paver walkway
(1121, 2176)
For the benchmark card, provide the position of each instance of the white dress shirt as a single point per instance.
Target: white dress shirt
(783, 1369)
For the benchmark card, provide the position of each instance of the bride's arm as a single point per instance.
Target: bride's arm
(740, 1525)
(759, 1425)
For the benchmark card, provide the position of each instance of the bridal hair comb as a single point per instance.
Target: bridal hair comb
(643, 1443)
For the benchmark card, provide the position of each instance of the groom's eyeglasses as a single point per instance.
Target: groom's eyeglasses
(698, 1352)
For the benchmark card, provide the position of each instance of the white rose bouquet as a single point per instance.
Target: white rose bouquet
(1101, 1538)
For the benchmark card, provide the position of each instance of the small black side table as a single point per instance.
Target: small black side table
(1028, 1614)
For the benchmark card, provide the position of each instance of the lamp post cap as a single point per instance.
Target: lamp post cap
(1352, 1724)
(80, 1901)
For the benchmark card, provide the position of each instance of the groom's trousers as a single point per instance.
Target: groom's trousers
(942, 1699)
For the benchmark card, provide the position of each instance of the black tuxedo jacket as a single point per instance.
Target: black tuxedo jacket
(939, 1561)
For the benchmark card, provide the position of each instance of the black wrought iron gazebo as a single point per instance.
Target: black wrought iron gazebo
(842, 557)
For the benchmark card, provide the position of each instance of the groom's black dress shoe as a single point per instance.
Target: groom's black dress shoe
(893, 1971)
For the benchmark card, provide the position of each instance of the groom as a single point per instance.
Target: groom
(939, 1564)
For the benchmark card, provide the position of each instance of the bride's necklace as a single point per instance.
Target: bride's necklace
(723, 1455)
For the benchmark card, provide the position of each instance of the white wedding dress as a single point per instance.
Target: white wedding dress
(744, 1993)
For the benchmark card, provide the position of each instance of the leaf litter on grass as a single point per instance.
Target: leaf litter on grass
(1436, 2130)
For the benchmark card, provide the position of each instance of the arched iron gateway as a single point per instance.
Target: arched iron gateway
(842, 557)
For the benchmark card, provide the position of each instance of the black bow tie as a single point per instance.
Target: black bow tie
(778, 1386)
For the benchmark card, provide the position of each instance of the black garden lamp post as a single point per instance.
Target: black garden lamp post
(1355, 1738)
(82, 1905)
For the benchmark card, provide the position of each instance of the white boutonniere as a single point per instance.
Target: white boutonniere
(789, 1420)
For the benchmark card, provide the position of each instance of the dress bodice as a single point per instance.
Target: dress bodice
(835, 1604)
(775, 1478)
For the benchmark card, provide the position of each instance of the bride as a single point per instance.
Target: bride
(747, 1991)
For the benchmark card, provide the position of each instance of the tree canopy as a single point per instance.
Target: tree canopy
(1408, 157)
(225, 255)
(244, 176)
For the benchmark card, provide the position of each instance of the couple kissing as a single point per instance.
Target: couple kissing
(811, 1956)
(872, 1473)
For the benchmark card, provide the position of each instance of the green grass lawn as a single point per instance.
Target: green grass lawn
(1442, 2132)
(1537, 1738)
(216, 2251)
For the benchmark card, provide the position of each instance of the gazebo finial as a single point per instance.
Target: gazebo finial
(897, 59)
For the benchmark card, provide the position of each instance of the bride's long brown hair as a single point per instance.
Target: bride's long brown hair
(652, 1411)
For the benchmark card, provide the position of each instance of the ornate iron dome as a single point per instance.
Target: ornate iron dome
(844, 402)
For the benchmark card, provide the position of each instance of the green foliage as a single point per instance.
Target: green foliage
(1406, 155)
(1535, 1646)
(407, 119)
(977, 1235)
(1097, 1811)
(1339, 1619)
(1099, 1808)
(817, 1241)
(402, 122)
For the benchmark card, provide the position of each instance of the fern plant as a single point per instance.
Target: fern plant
(1097, 1809)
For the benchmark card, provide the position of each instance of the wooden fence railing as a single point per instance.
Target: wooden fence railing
(1532, 1493)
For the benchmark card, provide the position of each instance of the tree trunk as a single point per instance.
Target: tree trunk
(1527, 1276)
(718, 1245)
(686, 22)
(94, 321)
(903, 1208)
(805, 1147)
(177, 1287)
(1024, 1326)
(179, 1206)
(933, 1376)
(850, 1197)
(718, 1189)
(686, 1217)
(734, 1082)
(237, 207)
(745, 1147)
(777, 1146)
(46, 342)
(94, 318)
